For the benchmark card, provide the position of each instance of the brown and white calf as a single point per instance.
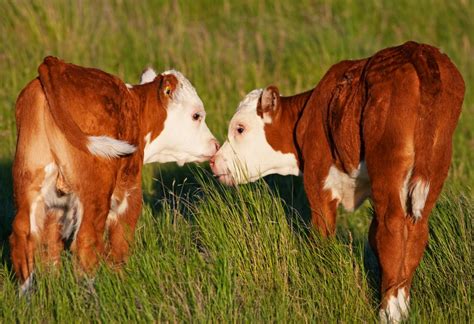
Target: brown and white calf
(378, 128)
(83, 136)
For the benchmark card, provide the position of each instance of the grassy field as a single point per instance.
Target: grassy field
(207, 253)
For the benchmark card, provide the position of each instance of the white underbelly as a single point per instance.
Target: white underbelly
(66, 207)
(349, 189)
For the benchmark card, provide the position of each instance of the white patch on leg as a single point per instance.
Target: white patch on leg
(36, 219)
(396, 309)
(26, 287)
(351, 190)
(117, 208)
(123, 206)
(419, 193)
(404, 191)
(403, 302)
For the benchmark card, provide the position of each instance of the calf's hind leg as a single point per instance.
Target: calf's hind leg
(26, 229)
(121, 226)
(418, 231)
(388, 237)
(88, 245)
(22, 247)
(28, 222)
(323, 206)
(93, 208)
(52, 241)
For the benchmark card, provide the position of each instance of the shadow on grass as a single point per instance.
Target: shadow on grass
(171, 183)
(6, 209)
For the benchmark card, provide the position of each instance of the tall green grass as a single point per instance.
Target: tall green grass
(220, 254)
(207, 253)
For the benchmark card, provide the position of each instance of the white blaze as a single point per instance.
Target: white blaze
(182, 139)
(247, 156)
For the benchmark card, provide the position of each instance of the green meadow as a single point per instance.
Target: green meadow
(206, 253)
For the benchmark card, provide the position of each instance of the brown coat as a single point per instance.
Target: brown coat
(391, 116)
(63, 184)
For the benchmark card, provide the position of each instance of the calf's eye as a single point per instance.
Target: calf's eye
(240, 129)
(196, 117)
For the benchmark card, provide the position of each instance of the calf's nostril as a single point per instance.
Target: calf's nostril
(216, 145)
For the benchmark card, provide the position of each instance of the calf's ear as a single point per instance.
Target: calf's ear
(268, 105)
(167, 86)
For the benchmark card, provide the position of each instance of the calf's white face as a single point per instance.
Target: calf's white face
(185, 136)
(246, 155)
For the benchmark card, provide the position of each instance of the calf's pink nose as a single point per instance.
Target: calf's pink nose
(212, 161)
